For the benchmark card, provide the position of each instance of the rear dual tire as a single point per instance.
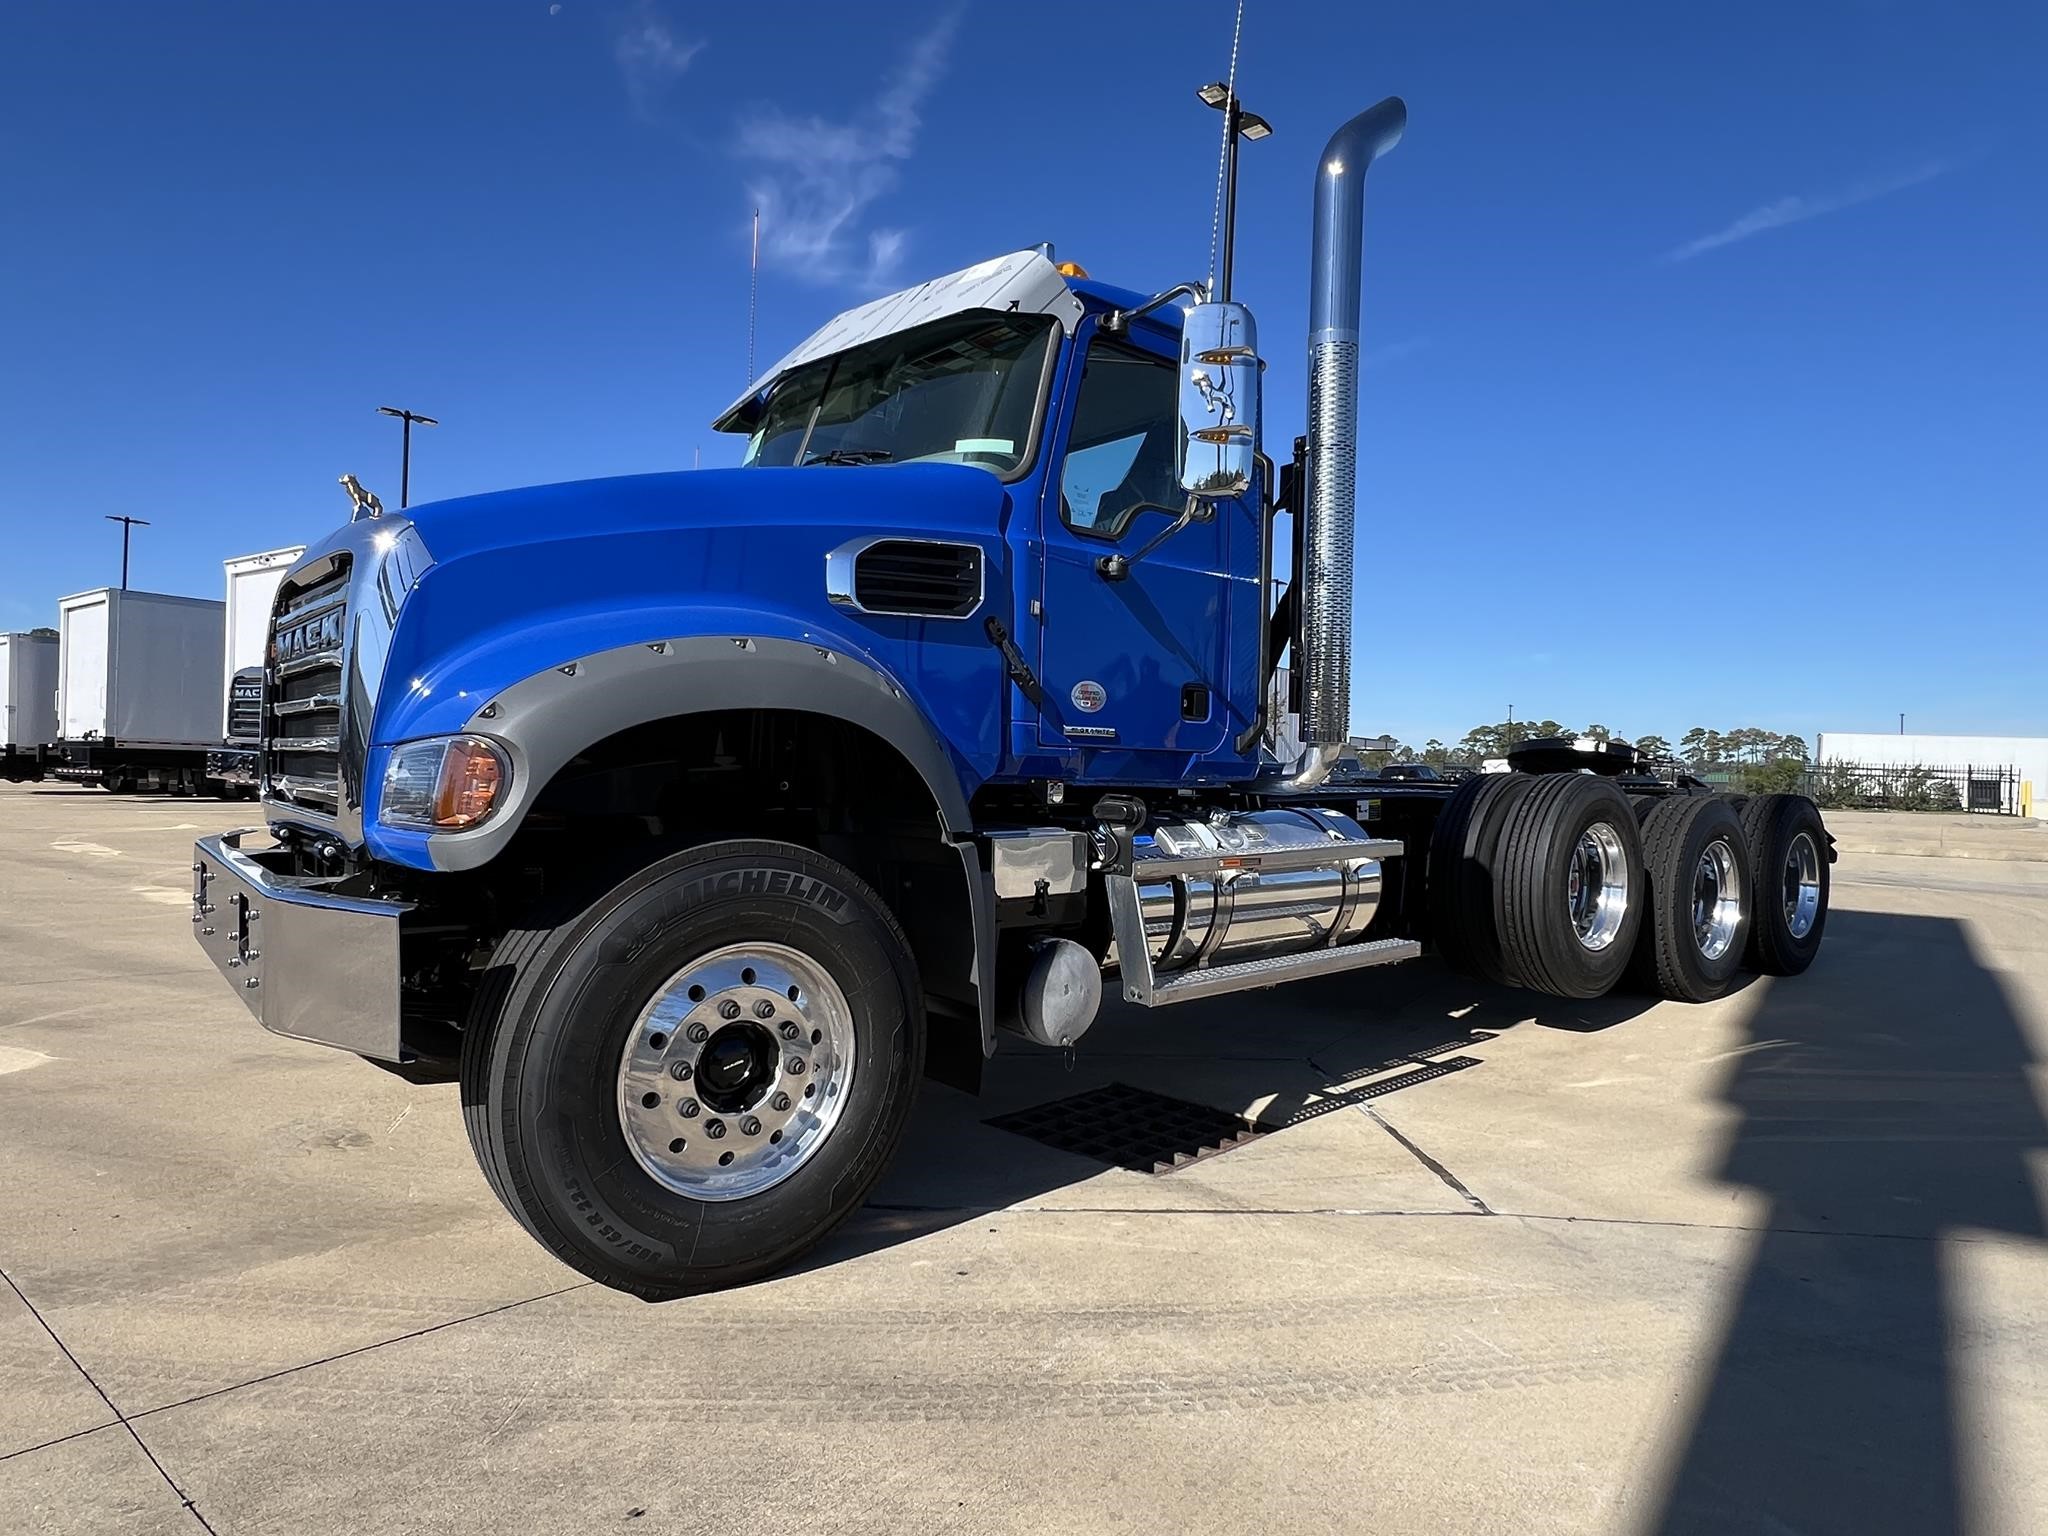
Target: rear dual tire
(1701, 895)
(1464, 869)
(1536, 881)
(1788, 850)
(1570, 897)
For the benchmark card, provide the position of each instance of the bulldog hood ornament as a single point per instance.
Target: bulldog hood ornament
(365, 503)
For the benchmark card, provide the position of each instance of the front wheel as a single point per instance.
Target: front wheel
(695, 1079)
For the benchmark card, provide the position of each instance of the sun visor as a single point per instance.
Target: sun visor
(1023, 283)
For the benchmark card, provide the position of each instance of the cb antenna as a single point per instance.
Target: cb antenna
(1237, 124)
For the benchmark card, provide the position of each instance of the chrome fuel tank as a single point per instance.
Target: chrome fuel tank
(1226, 907)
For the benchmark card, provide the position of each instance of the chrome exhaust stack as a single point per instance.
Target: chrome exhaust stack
(1323, 638)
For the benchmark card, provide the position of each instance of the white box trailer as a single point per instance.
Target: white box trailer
(28, 689)
(252, 583)
(138, 688)
(141, 667)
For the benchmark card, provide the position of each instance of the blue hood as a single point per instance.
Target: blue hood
(852, 499)
(529, 579)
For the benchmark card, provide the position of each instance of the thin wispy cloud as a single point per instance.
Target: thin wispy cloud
(815, 179)
(1393, 352)
(651, 57)
(1797, 209)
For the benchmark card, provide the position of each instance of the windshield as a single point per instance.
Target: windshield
(958, 391)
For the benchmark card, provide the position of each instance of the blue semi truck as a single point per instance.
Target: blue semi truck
(689, 820)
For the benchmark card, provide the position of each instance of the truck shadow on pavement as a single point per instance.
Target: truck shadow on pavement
(1278, 1058)
(1883, 1112)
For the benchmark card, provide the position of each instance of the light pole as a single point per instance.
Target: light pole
(405, 455)
(1238, 124)
(128, 524)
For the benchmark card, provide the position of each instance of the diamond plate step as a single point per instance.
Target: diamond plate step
(1243, 976)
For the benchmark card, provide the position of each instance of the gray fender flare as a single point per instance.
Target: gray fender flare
(546, 719)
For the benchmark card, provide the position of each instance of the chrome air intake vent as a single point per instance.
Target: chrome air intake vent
(916, 578)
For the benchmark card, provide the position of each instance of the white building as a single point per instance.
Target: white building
(2026, 754)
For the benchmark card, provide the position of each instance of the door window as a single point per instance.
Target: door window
(1122, 452)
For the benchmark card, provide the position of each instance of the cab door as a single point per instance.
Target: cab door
(1134, 654)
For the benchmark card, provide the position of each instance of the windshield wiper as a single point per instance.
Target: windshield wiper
(851, 456)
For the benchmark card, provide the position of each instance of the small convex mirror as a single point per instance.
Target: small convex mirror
(1219, 400)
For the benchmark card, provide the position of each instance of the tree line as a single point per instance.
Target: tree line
(1744, 750)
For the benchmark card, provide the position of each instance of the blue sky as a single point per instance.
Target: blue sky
(1719, 330)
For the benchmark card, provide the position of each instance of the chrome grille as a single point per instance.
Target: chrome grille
(245, 705)
(303, 688)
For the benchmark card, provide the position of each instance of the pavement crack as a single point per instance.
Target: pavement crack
(360, 1349)
(44, 1445)
(1451, 1179)
(120, 1418)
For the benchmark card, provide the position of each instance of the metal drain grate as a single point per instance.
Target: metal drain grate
(1148, 1132)
(1132, 1128)
(1423, 1073)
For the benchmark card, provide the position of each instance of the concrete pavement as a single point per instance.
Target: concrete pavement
(1946, 834)
(1773, 1263)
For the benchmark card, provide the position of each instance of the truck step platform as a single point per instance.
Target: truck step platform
(1140, 986)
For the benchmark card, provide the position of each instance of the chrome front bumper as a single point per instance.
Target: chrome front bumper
(310, 964)
(233, 765)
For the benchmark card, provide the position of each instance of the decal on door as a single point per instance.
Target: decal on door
(1088, 696)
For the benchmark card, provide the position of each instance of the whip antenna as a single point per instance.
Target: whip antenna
(1223, 153)
(753, 293)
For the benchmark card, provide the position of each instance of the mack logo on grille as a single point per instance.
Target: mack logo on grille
(312, 638)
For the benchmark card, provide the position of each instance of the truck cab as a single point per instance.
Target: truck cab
(1034, 376)
(688, 819)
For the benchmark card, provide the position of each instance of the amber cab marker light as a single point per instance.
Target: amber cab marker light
(470, 776)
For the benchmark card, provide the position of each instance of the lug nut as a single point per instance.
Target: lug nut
(796, 1064)
(750, 1126)
(714, 1129)
(688, 1107)
(789, 1030)
(728, 1009)
(779, 1103)
(680, 1071)
(764, 1009)
(698, 1034)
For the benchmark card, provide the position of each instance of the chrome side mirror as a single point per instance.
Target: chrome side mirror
(1219, 400)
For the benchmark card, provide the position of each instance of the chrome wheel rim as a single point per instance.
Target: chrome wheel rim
(736, 1071)
(1802, 885)
(1716, 900)
(1596, 886)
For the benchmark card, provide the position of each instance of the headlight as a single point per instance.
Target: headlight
(444, 783)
